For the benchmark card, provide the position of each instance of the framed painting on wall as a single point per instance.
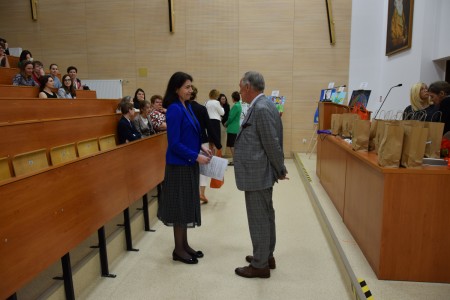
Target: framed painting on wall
(399, 26)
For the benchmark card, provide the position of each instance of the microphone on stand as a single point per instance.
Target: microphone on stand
(398, 85)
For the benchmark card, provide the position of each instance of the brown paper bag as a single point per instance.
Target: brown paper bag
(360, 134)
(347, 123)
(336, 124)
(390, 146)
(414, 140)
(372, 134)
(434, 139)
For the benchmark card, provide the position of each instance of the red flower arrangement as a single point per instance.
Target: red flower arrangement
(445, 148)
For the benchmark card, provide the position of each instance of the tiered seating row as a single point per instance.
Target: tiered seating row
(11, 91)
(21, 109)
(46, 213)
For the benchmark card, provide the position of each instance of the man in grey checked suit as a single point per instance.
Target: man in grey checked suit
(258, 164)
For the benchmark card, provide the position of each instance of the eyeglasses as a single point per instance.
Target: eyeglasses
(67, 79)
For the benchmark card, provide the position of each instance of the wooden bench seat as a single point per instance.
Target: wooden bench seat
(13, 61)
(11, 91)
(46, 214)
(23, 109)
(21, 137)
(7, 75)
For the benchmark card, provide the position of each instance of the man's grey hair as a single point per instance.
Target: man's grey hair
(255, 80)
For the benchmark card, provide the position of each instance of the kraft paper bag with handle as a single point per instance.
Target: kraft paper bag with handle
(390, 147)
(372, 134)
(434, 139)
(360, 135)
(347, 123)
(414, 142)
(336, 124)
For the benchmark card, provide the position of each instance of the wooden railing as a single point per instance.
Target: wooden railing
(22, 109)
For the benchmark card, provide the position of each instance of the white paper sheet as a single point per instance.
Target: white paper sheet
(215, 169)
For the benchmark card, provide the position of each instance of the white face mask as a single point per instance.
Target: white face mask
(399, 6)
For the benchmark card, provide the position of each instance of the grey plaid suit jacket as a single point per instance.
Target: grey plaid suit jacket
(258, 156)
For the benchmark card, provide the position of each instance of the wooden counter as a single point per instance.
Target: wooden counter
(399, 217)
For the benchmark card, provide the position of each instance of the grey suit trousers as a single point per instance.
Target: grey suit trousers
(261, 222)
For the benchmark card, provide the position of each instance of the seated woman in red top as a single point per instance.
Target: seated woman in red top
(158, 113)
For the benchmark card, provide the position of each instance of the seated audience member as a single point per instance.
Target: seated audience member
(421, 107)
(142, 121)
(3, 58)
(25, 78)
(73, 72)
(25, 55)
(123, 100)
(54, 73)
(45, 90)
(440, 95)
(126, 131)
(38, 72)
(67, 91)
(2, 40)
(158, 113)
(139, 96)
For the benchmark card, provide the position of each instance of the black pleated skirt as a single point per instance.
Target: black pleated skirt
(180, 200)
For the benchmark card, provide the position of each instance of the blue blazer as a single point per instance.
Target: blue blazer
(126, 131)
(183, 135)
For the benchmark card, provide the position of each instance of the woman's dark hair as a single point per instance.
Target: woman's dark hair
(43, 81)
(23, 66)
(439, 86)
(23, 55)
(71, 90)
(226, 99)
(236, 96)
(176, 81)
(135, 99)
(72, 68)
(194, 93)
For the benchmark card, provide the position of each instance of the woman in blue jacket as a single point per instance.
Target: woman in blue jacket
(180, 206)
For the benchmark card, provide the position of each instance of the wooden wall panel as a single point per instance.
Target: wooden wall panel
(215, 41)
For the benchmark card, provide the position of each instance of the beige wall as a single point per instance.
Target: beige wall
(215, 41)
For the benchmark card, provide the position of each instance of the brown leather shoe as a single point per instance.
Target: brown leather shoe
(251, 272)
(271, 261)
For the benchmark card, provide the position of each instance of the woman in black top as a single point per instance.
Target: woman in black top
(45, 90)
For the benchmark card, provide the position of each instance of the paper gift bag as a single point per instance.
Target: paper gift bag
(415, 137)
(347, 123)
(360, 135)
(372, 134)
(434, 139)
(390, 146)
(215, 183)
(336, 124)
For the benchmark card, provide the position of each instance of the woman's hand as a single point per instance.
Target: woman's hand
(207, 151)
(203, 159)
